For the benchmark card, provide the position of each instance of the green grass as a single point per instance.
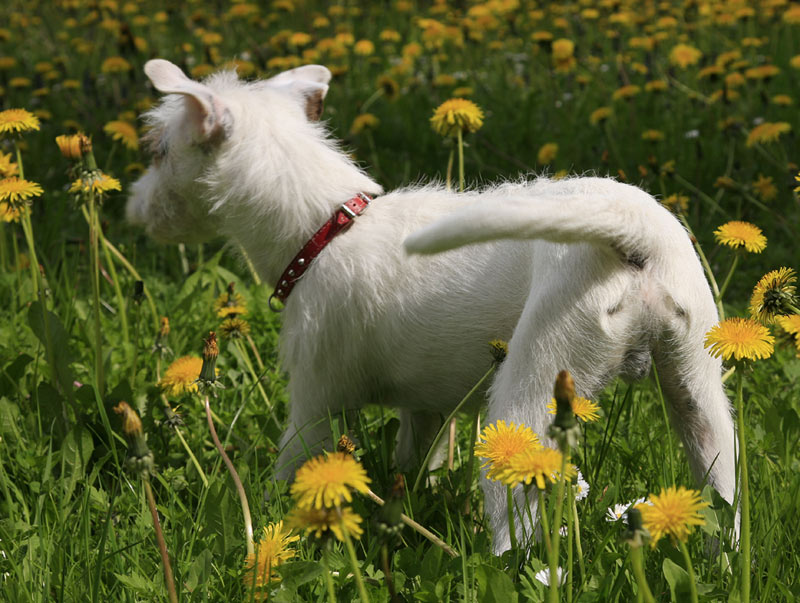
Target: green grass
(74, 523)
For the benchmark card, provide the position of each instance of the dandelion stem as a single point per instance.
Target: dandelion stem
(638, 571)
(253, 375)
(727, 280)
(570, 529)
(127, 265)
(460, 161)
(123, 315)
(744, 486)
(255, 352)
(162, 545)
(578, 546)
(708, 199)
(417, 527)
(690, 571)
(449, 173)
(706, 266)
(545, 522)
(326, 569)
(191, 455)
(250, 266)
(94, 258)
(451, 445)
(553, 556)
(351, 551)
(512, 525)
(248, 522)
(446, 424)
(666, 422)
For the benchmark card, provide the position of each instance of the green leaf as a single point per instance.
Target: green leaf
(201, 570)
(9, 415)
(75, 452)
(12, 373)
(136, 582)
(58, 342)
(678, 580)
(494, 585)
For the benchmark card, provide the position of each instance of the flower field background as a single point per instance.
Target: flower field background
(694, 101)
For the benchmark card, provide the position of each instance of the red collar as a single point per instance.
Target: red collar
(341, 220)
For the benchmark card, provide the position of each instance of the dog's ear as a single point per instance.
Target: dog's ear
(309, 82)
(207, 112)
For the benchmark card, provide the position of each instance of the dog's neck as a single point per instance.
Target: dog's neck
(294, 181)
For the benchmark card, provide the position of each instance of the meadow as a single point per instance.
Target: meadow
(693, 100)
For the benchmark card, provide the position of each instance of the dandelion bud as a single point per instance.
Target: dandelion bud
(210, 353)
(74, 146)
(565, 428)
(164, 330)
(140, 459)
(131, 423)
(499, 350)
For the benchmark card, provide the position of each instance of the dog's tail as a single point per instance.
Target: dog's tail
(582, 210)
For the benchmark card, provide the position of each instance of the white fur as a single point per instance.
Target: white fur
(584, 274)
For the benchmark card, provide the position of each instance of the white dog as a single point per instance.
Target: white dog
(583, 274)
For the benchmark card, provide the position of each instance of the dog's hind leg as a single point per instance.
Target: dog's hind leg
(699, 410)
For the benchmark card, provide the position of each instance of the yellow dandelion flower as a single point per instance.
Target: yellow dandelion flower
(229, 304)
(547, 153)
(683, 55)
(782, 100)
(234, 328)
(767, 132)
(656, 86)
(271, 550)
(563, 49)
(364, 48)
(389, 86)
(652, 135)
(765, 188)
(500, 442)
(774, 295)
(16, 193)
(741, 234)
(762, 72)
(791, 324)
(115, 65)
(7, 166)
(124, 132)
(676, 202)
(456, 114)
(673, 512)
(13, 121)
(542, 465)
(321, 522)
(626, 92)
(98, 182)
(739, 338)
(365, 121)
(326, 480)
(180, 376)
(584, 409)
(599, 115)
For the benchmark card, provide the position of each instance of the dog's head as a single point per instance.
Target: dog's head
(194, 133)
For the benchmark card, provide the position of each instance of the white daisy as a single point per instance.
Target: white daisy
(543, 576)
